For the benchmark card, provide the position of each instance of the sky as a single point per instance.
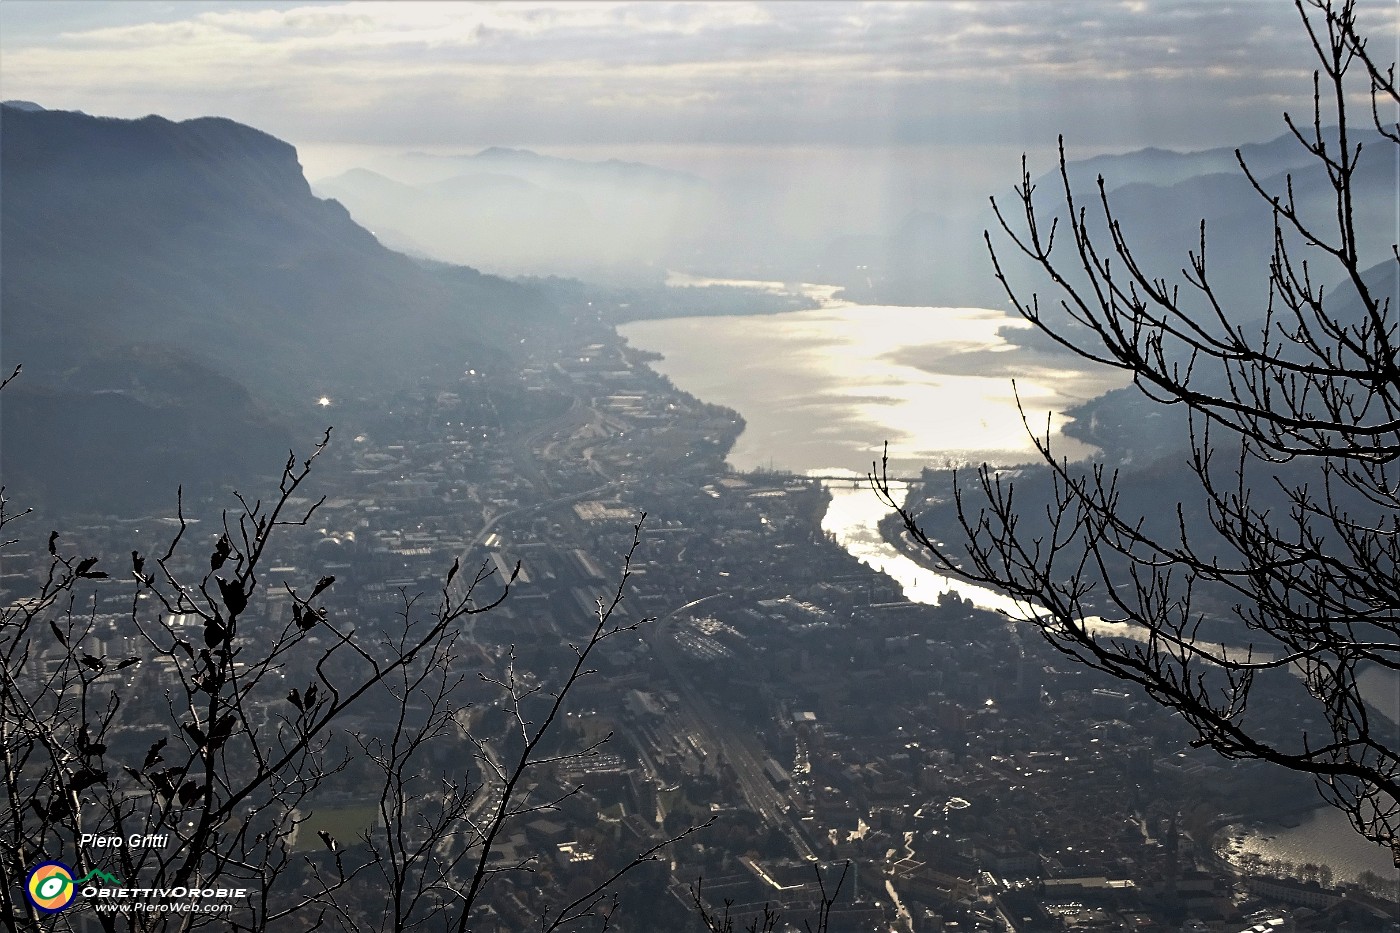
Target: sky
(933, 97)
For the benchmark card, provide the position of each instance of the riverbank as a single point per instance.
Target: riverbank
(1317, 844)
(918, 498)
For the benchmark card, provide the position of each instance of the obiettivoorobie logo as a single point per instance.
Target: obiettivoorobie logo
(51, 886)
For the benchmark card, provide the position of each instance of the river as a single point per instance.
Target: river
(823, 391)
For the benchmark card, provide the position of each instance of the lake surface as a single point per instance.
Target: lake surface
(821, 392)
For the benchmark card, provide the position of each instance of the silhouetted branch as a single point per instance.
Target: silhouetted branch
(1294, 426)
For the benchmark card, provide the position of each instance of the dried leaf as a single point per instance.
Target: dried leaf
(86, 778)
(222, 550)
(153, 754)
(234, 598)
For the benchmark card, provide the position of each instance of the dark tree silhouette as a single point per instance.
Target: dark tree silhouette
(206, 718)
(1292, 539)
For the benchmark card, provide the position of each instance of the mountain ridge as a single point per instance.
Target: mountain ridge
(199, 243)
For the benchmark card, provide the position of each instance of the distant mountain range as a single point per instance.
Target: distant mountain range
(523, 213)
(1158, 196)
(520, 212)
(176, 291)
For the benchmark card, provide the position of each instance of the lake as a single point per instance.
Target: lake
(823, 390)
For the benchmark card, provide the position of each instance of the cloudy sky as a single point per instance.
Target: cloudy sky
(706, 86)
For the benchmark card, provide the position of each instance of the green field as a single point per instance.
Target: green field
(345, 824)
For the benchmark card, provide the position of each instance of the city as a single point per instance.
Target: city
(908, 767)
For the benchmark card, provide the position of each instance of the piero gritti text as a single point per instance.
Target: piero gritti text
(133, 841)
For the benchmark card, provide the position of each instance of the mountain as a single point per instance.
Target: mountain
(129, 428)
(522, 213)
(1161, 220)
(553, 170)
(1168, 167)
(187, 268)
(1159, 198)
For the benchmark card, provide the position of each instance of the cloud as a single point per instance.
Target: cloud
(823, 73)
